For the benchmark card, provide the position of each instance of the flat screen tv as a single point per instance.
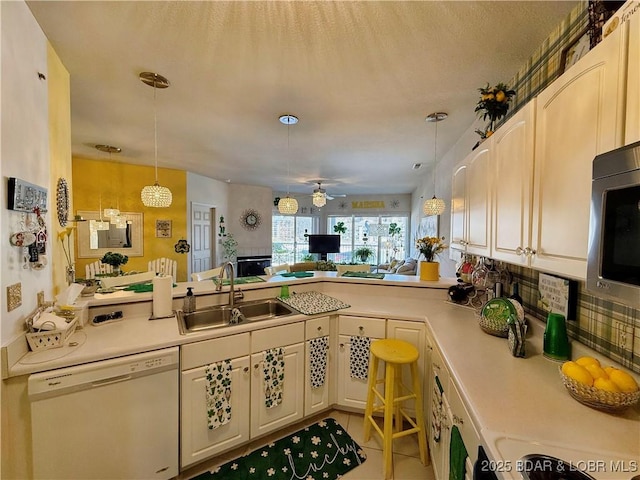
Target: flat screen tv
(324, 244)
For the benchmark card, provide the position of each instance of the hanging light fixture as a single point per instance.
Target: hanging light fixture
(99, 224)
(319, 197)
(434, 206)
(288, 205)
(110, 212)
(155, 195)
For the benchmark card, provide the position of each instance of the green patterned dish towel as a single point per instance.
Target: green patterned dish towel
(218, 384)
(273, 369)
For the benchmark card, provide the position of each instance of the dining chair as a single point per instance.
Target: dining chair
(206, 274)
(97, 267)
(277, 269)
(165, 266)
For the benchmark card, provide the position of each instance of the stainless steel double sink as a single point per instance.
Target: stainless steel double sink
(225, 315)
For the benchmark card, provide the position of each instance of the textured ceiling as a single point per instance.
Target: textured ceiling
(361, 76)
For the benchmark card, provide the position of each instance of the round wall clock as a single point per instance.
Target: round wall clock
(250, 219)
(62, 202)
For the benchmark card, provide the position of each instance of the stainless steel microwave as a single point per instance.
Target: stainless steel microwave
(613, 265)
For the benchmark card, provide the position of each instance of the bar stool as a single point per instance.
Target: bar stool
(395, 354)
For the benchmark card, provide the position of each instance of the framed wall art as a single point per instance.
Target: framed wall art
(25, 196)
(575, 50)
(163, 228)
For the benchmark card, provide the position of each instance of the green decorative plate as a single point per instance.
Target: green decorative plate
(498, 310)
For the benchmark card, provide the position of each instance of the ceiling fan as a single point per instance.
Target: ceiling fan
(320, 196)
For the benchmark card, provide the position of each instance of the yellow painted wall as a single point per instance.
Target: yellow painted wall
(119, 184)
(60, 155)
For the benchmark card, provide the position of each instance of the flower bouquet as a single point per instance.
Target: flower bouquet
(429, 247)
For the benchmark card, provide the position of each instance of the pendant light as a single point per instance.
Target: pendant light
(110, 212)
(99, 224)
(319, 197)
(434, 206)
(288, 205)
(155, 195)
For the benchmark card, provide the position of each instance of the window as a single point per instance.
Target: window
(289, 245)
(384, 244)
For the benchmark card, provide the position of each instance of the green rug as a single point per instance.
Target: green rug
(319, 452)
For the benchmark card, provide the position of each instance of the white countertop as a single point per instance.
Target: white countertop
(519, 405)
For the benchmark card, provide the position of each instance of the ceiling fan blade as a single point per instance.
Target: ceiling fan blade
(328, 197)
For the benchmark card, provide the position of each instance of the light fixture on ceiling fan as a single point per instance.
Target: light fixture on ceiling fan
(319, 196)
(288, 205)
(434, 206)
(113, 213)
(155, 195)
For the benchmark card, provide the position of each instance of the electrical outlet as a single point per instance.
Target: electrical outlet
(40, 298)
(623, 338)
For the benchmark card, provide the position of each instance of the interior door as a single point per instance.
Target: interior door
(202, 247)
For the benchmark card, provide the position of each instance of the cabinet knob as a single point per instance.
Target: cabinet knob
(245, 369)
(257, 365)
(519, 251)
(436, 366)
(529, 251)
(457, 420)
(319, 329)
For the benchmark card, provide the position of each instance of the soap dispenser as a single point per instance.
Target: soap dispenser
(189, 302)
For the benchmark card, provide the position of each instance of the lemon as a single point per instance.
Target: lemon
(500, 96)
(596, 371)
(577, 372)
(584, 361)
(625, 382)
(605, 384)
(608, 370)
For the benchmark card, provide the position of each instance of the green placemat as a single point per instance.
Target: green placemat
(379, 276)
(141, 287)
(296, 274)
(243, 280)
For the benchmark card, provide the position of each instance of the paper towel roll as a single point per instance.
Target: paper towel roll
(162, 297)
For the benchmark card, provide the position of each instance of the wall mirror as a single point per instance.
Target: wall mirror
(94, 243)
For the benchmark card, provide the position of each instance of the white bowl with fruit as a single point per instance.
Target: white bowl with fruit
(604, 388)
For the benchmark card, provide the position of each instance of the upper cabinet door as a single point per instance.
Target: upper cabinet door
(458, 208)
(478, 201)
(578, 116)
(632, 126)
(513, 187)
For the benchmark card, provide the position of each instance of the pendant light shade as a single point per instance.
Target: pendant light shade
(434, 206)
(288, 205)
(319, 199)
(155, 195)
(110, 212)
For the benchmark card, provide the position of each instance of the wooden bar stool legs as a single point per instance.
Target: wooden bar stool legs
(395, 354)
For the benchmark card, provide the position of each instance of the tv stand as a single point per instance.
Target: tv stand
(323, 257)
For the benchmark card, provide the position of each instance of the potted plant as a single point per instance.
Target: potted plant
(363, 253)
(115, 260)
(430, 247)
(493, 104)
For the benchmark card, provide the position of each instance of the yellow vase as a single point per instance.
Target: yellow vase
(430, 271)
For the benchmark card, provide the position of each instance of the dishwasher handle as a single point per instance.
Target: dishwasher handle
(109, 381)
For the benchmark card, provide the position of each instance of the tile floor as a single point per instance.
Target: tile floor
(406, 456)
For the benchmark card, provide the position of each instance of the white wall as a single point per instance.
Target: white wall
(260, 199)
(24, 153)
(444, 171)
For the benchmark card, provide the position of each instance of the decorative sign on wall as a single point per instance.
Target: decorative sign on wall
(557, 295)
(163, 228)
(25, 196)
(368, 204)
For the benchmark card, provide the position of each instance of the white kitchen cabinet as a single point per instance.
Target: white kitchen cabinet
(470, 203)
(352, 392)
(632, 124)
(512, 190)
(198, 442)
(317, 399)
(580, 115)
(291, 409)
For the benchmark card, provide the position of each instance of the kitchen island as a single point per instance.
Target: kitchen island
(517, 405)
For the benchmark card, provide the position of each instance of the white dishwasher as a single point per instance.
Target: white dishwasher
(113, 419)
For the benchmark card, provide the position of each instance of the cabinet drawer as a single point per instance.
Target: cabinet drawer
(368, 327)
(317, 327)
(277, 337)
(215, 350)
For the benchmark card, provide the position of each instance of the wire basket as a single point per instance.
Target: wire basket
(50, 338)
(599, 399)
(492, 327)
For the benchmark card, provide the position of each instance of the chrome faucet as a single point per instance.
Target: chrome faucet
(233, 295)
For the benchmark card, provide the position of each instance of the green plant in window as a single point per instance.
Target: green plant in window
(363, 253)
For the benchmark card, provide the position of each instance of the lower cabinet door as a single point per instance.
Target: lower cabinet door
(265, 419)
(198, 442)
(352, 392)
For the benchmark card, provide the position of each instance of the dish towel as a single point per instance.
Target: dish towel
(436, 410)
(218, 384)
(273, 365)
(318, 360)
(359, 357)
(457, 455)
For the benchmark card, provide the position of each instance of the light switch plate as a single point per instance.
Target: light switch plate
(14, 296)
